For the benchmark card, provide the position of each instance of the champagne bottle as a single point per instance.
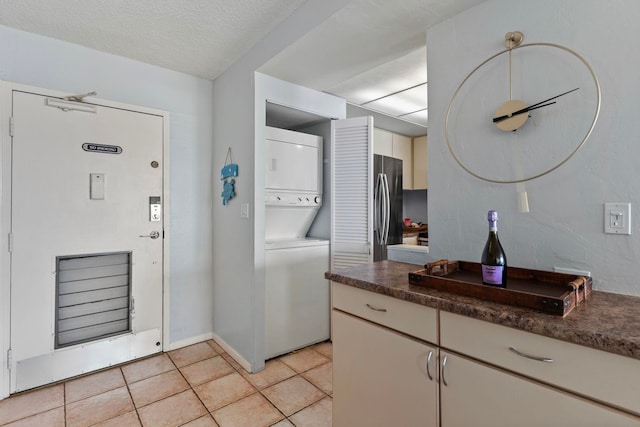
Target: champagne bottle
(494, 260)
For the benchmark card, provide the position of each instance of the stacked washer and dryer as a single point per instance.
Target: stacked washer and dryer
(296, 292)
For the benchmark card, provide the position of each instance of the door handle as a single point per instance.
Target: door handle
(382, 310)
(528, 356)
(428, 363)
(378, 209)
(444, 365)
(387, 208)
(153, 235)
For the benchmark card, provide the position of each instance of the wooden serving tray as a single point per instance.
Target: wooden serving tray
(555, 293)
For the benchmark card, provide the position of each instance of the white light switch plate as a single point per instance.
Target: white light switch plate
(617, 218)
(96, 186)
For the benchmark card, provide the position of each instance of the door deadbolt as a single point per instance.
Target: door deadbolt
(153, 235)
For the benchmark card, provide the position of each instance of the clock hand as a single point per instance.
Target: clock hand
(532, 107)
(522, 111)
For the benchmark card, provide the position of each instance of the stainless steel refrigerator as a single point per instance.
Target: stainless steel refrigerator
(387, 204)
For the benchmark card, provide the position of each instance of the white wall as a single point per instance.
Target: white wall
(238, 261)
(565, 225)
(44, 62)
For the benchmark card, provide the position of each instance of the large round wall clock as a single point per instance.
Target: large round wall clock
(523, 112)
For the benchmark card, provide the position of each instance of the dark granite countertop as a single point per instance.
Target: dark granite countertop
(606, 321)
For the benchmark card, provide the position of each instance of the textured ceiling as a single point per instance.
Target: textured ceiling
(197, 37)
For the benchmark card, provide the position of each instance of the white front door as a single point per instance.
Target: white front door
(86, 274)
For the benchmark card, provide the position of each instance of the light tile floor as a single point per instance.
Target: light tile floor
(195, 386)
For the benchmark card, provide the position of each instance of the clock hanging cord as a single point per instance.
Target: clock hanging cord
(510, 75)
(512, 40)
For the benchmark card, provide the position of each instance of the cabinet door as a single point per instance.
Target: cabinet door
(403, 150)
(351, 189)
(381, 378)
(473, 394)
(382, 142)
(611, 378)
(420, 163)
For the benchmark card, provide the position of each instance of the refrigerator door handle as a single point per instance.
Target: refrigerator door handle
(377, 210)
(387, 209)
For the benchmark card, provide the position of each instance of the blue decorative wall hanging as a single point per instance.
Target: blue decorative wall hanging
(229, 170)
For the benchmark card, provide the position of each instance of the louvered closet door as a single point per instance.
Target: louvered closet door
(351, 192)
(86, 276)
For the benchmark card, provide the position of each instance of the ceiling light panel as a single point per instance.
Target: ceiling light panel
(419, 117)
(402, 103)
(390, 77)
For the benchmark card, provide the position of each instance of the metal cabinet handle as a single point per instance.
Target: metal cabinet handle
(383, 310)
(444, 364)
(153, 235)
(429, 356)
(528, 356)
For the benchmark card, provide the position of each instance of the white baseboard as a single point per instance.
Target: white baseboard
(231, 352)
(190, 341)
(208, 336)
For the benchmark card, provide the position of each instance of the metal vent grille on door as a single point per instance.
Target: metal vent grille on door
(92, 297)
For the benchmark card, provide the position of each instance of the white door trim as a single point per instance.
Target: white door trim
(6, 90)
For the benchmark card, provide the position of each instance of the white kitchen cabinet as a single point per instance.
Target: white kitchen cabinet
(397, 146)
(407, 317)
(474, 394)
(420, 181)
(381, 377)
(602, 376)
(385, 349)
(382, 142)
(403, 150)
